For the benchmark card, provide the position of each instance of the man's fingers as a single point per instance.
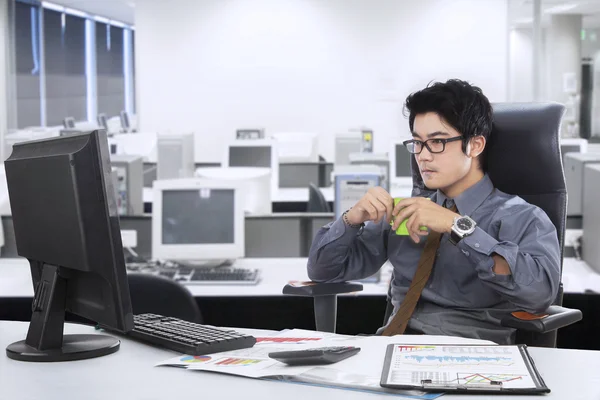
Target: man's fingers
(387, 207)
(404, 214)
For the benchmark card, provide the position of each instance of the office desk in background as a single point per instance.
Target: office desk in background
(129, 374)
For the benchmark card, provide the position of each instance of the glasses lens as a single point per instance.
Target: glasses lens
(436, 145)
(413, 147)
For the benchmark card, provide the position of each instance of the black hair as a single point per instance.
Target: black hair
(460, 104)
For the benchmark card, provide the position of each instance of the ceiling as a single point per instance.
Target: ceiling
(118, 10)
(520, 12)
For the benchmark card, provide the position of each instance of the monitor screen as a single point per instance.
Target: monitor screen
(204, 216)
(403, 158)
(250, 156)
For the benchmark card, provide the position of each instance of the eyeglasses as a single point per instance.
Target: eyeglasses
(433, 145)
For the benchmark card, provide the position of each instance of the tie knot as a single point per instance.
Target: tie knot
(448, 203)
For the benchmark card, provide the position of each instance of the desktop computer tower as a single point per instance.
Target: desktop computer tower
(129, 183)
(574, 166)
(591, 216)
(175, 156)
(345, 144)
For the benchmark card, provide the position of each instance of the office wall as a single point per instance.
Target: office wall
(520, 65)
(307, 65)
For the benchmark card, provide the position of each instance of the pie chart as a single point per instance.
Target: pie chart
(195, 359)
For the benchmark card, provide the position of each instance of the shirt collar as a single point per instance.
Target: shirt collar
(469, 200)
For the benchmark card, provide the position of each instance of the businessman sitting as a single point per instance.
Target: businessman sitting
(472, 254)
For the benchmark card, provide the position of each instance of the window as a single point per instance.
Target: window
(27, 65)
(64, 55)
(109, 69)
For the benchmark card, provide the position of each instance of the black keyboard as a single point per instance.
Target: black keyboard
(187, 337)
(200, 276)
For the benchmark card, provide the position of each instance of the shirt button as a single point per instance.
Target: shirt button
(466, 253)
(476, 244)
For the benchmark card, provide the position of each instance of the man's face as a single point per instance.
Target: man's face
(439, 170)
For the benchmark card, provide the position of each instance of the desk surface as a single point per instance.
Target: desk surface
(15, 278)
(129, 373)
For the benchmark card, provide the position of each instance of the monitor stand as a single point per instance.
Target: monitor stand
(45, 341)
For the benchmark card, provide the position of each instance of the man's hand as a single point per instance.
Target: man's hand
(373, 206)
(422, 212)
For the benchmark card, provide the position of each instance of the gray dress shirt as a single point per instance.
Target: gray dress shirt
(463, 296)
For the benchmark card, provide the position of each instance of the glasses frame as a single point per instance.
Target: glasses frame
(425, 144)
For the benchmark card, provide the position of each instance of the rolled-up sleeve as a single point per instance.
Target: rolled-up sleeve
(527, 240)
(339, 252)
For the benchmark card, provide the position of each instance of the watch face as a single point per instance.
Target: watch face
(464, 224)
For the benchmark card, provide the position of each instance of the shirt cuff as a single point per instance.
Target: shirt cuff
(342, 233)
(478, 248)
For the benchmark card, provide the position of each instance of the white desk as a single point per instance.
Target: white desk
(15, 279)
(129, 374)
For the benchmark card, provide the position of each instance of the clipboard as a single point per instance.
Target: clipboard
(461, 369)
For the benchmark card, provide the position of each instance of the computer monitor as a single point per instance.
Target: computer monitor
(345, 144)
(69, 123)
(381, 160)
(256, 184)
(197, 220)
(256, 133)
(125, 121)
(66, 224)
(130, 183)
(400, 160)
(175, 156)
(260, 153)
(295, 147)
(102, 121)
(351, 183)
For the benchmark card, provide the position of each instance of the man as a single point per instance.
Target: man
(490, 253)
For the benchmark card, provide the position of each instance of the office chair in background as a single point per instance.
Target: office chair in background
(316, 200)
(159, 295)
(524, 159)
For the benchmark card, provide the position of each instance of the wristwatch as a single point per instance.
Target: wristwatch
(463, 226)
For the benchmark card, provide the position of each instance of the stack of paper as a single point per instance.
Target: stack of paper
(359, 372)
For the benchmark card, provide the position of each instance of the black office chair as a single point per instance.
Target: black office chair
(316, 200)
(524, 159)
(159, 295)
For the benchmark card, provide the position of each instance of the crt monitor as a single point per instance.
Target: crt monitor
(260, 153)
(69, 123)
(102, 121)
(196, 220)
(400, 160)
(66, 224)
(124, 115)
(175, 156)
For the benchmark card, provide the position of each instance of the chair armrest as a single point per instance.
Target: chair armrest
(312, 289)
(553, 318)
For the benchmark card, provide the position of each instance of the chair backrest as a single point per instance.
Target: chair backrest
(159, 295)
(524, 159)
(316, 200)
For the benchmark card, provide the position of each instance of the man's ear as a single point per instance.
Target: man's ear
(475, 146)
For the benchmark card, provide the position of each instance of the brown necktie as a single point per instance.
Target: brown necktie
(398, 324)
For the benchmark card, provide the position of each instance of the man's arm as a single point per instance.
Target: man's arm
(339, 252)
(342, 250)
(523, 265)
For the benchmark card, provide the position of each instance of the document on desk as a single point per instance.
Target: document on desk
(461, 368)
(361, 372)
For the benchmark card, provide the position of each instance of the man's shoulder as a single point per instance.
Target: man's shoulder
(509, 204)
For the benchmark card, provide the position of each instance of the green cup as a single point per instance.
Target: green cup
(402, 230)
